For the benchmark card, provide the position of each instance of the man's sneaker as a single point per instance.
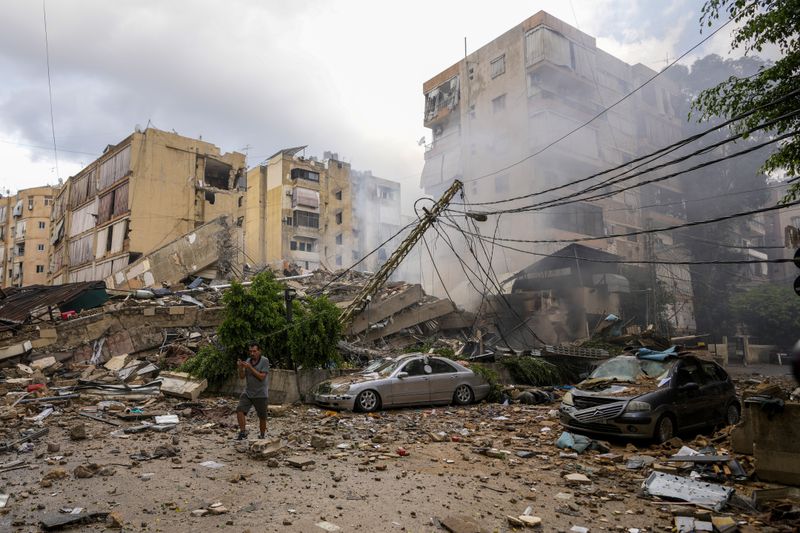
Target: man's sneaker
(242, 436)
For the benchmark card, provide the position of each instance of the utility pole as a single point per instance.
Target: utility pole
(380, 277)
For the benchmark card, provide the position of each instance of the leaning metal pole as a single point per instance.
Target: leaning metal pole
(380, 277)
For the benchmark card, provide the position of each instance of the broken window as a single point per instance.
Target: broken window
(115, 168)
(585, 219)
(498, 66)
(21, 249)
(303, 245)
(338, 195)
(445, 96)
(385, 193)
(113, 204)
(302, 173)
(293, 245)
(217, 174)
(306, 219)
(499, 103)
(81, 189)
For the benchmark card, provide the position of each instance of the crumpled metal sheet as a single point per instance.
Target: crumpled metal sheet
(687, 490)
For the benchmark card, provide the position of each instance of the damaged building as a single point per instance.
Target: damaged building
(24, 236)
(142, 193)
(316, 213)
(503, 105)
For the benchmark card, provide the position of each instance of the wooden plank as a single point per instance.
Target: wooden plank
(384, 308)
(411, 317)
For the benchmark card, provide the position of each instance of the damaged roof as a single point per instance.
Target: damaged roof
(20, 305)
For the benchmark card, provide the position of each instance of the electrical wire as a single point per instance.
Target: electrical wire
(645, 231)
(601, 113)
(50, 86)
(652, 156)
(573, 198)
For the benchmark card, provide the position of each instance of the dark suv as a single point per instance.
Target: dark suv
(639, 397)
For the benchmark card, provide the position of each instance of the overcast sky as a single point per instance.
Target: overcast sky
(261, 75)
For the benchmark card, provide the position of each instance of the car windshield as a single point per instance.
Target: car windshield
(375, 365)
(387, 367)
(629, 368)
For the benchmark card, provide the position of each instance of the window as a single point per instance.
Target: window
(301, 173)
(356, 255)
(30, 203)
(441, 367)
(385, 193)
(40, 247)
(415, 368)
(582, 218)
(21, 249)
(795, 221)
(339, 217)
(499, 103)
(339, 260)
(42, 225)
(304, 245)
(498, 66)
(39, 269)
(501, 184)
(48, 200)
(338, 195)
(306, 219)
(241, 200)
(339, 238)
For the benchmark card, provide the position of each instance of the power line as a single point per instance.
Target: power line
(643, 231)
(601, 113)
(652, 156)
(50, 85)
(572, 198)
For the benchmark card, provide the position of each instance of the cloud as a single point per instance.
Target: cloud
(336, 75)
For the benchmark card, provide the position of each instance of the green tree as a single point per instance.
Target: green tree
(770, 312)
(258, 313)
(760, 24)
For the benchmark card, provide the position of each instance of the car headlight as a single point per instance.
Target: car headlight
(567, 399)
(637, 406)
(340, 389)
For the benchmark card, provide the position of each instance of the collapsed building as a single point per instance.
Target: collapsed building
(142, 193)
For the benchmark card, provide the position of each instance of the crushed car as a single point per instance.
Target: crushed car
(412, 379)
(651, 395)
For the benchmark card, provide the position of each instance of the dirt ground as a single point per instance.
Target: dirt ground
(357, 481)
(460, 469)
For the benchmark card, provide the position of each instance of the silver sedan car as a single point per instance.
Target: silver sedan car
(413, 379)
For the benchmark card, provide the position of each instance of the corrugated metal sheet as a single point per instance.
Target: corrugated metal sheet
(21, 304)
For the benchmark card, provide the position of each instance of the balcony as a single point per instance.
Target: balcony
(441, 101)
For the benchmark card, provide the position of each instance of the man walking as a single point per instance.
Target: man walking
(256, 371)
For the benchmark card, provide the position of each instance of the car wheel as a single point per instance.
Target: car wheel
(665, 429)
(463, 395)
(368, 401)
(732, 415)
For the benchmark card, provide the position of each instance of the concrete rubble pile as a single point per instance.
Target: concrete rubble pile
(72, 449)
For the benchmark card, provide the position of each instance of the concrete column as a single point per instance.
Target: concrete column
(723, 353)
(746, 349)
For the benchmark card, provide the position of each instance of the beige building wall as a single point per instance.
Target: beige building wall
(492, 111)
(313, 213)
(144, 192)
(24, 231)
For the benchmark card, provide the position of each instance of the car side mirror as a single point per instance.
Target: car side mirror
(691, 386)
(401, 375)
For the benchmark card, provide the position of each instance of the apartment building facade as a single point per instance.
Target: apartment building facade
(24, 236)
(313, 213)
(141, 194)
(494, 118)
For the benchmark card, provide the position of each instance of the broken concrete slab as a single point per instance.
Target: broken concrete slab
(383, 308)
(182, 385)
(687, 489)
(15, 350)
(54, 521)
(411, 317)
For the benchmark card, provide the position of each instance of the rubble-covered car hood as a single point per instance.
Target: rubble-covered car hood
(349, 379)
(617, 389)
